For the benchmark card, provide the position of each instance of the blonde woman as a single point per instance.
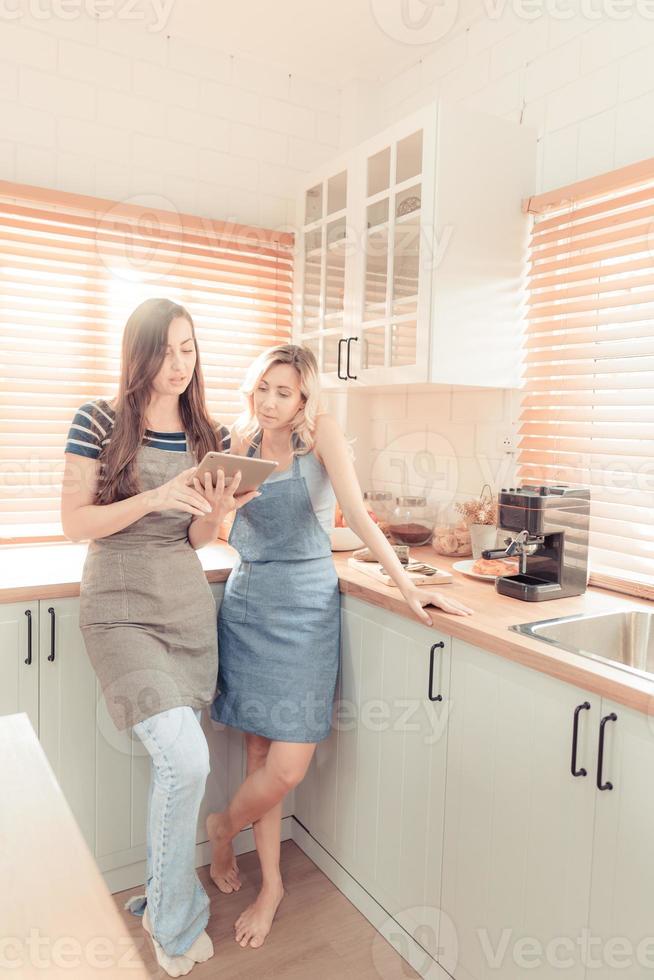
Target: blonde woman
(279, 624)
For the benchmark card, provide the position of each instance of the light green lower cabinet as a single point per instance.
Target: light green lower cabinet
(19, 660)
(104, 773)
(518, 826)
(621, 926)
(450, 801)
(374, 796)
(463, 820)
(545, 875)
(68, 701)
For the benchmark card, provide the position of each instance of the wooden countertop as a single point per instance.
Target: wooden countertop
(31, 572)
(488, 627)
(57, 913)
(53, 571)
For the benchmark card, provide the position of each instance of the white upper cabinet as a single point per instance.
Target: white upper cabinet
(321, 266)
(411, 253)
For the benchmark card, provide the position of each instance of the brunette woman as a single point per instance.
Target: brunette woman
(280, 617)
(147, 613)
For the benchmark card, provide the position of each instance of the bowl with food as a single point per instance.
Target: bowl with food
(343, 537)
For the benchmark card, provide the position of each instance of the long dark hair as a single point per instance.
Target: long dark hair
(143, 351)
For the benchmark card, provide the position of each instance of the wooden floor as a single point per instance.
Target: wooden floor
(317, 934)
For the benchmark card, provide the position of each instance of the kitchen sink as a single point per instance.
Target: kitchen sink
(621, 639)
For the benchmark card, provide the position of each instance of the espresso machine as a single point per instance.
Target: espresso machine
(549, 528)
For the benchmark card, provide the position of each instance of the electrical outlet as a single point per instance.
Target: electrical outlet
(507, 441)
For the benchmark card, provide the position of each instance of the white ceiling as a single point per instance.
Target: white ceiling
(333, 41)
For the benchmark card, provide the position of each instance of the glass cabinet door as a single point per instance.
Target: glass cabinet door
(324, 253)
(392, 243)
(361, 271)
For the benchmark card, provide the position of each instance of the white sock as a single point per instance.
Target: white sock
(136, 904)
(202, 948)
(174, 966)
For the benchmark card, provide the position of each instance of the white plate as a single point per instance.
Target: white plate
(466, 568)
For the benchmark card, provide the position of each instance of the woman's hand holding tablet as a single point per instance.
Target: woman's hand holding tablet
(253, 471)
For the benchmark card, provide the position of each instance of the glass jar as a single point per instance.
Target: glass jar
(451, 535)
(411, 521)
(380, 504)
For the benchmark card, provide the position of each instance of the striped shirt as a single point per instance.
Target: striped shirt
(91, 428)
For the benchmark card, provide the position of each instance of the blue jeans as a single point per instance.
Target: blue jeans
(178, 905)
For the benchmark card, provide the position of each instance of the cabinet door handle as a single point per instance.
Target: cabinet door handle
(352, 377)
(600, 753)
(575, 732)
(52, 633)
(341, 377)
(434, 697)
(28, 660)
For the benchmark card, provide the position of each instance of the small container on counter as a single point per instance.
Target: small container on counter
(411, 521)
(380, 504)
(451, 536)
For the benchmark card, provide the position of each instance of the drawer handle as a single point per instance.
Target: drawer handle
(52, 633)
(341, 377)
(352, 377)
(28, 660)
(434, 697)
(575, 732)
(600, 754)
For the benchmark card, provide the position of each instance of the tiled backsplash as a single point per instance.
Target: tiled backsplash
(444, 443)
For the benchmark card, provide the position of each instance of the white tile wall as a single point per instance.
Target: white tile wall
(110, 109)
(107, 108)
(589, 70)
(444, 443)
(587, 86)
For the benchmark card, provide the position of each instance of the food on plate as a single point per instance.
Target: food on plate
(495, 566)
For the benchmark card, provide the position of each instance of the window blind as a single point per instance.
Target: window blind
(588, 407)
(72, 269)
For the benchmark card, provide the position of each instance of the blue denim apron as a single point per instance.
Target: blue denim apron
(279, 622)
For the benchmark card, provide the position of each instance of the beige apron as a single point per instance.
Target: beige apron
(147, 613)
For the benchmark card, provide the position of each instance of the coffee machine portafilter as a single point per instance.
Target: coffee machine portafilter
(550, 537)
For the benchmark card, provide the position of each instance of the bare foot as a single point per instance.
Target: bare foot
(224, 869)
(254, 924)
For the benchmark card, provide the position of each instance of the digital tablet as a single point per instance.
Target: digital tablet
(253, 471)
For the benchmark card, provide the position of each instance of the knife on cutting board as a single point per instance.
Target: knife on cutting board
(416, 572)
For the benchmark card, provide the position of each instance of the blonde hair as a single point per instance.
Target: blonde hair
(304, 423)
